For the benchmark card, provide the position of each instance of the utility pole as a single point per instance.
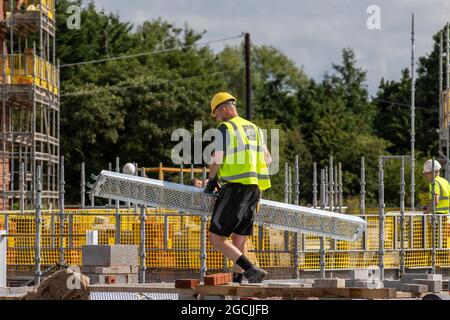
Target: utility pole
(442, 127)
(413, 106)
(248, 84)
(443, 98)
(444, 101)
(448, 58)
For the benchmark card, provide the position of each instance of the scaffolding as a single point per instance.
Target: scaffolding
(30, 116)
(444, 99)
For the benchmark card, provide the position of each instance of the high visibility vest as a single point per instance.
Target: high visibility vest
(244, 155)
(442, 187)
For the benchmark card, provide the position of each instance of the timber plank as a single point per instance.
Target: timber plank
(296, 292)
(139, 288)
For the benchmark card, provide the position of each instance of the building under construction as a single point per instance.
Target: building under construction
(444, 100)
(30, 105)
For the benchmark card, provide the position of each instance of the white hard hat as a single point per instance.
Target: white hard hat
(428, 166)
(129, 168)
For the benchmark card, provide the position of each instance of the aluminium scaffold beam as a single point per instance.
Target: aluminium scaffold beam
(277, 215)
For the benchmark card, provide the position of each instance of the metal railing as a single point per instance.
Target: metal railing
(168, 239)
(173, 240)
(47, 7)
(25, 69)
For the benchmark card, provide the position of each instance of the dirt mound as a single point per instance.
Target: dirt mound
(62, 285)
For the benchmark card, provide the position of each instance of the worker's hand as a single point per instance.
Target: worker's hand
(212, 186)
(426, 210)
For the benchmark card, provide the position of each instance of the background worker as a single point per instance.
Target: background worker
(239, 167)
(441, 198)
(441, 188)
(4, 7)
(195, 182)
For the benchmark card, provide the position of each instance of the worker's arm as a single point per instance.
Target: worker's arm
(436, 201)
(214, 166)
(267, 156)
(216, 160)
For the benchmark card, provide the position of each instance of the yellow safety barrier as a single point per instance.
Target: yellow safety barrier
(161, 170)
(28, 69)
(48, 7)
(173, 241)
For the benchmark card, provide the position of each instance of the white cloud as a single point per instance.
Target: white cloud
(311, 32)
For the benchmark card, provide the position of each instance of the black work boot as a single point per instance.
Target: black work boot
(238, 277)
(255, 275)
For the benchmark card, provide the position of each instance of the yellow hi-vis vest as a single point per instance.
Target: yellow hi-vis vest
(244, 155)
(441, 188)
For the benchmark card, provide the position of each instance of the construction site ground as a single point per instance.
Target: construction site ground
(280, 289)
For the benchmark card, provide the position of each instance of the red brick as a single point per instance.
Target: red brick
(218, 279)
(110, 279)
(211, 280)
(186, 283)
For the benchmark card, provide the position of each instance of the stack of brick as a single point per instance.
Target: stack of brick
(329, 283)
(186, 283)
(364, 278)
(417, 283)
(115, 264)
(433, 282)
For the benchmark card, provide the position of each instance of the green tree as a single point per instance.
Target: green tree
(392, 121)
(135, 103)
(348, 82)
(337, 121)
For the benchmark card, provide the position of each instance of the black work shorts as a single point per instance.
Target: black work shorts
(234, 210)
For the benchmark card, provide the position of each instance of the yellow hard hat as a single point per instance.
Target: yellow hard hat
(220, 98)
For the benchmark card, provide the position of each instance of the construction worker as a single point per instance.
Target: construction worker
(4, 7)
(239, 169)
(441, 188)
(195, 182)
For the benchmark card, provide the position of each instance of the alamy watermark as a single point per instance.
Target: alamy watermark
(74, 20)
(374, 20)
(74, 281)
(191, 149)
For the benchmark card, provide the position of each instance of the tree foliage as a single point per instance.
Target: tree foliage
(130, 107)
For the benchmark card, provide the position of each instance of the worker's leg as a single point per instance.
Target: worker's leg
(230, 216)
(240, 243)
(224, 221)
(228, 249)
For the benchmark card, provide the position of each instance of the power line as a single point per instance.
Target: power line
(149, 52)
(406, 105)
(144, 83)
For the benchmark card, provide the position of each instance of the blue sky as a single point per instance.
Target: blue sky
(311, 32)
